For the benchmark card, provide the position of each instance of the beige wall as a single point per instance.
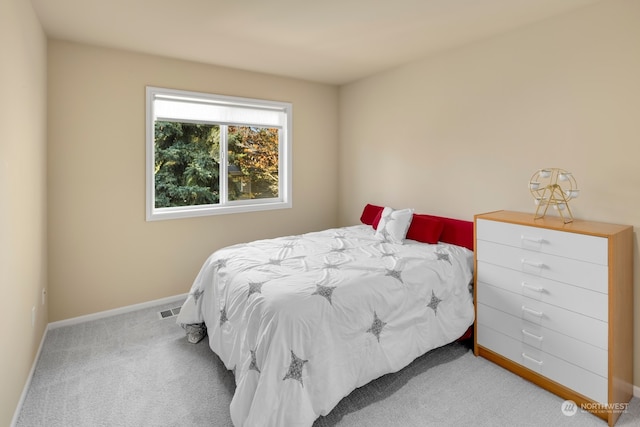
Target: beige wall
(462, 133)
(102, 252)
(22, 196)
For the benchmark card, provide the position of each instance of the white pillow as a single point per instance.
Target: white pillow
(394, 224)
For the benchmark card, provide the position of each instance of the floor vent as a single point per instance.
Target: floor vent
(169, 313)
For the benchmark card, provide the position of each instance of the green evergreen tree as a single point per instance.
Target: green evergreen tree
(187, 164)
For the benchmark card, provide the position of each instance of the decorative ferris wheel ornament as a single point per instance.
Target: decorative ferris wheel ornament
(553, 187)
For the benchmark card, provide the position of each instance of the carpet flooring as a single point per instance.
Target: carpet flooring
(137, 369)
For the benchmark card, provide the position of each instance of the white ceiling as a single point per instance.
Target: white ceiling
(329, 41)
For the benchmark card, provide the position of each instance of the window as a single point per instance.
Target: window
(212, 154)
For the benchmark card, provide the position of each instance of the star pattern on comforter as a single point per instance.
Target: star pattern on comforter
(376, 326)
(433, 303)
(223, 315)
(254, 364)
(324, 291)
(254, 287)
(396, 274)
(443, 257)
(295, 369)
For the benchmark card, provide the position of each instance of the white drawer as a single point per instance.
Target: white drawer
(578, 326)
(577, 352)
(571, 245)
(578, 379)
(580, 300)
(579, 273)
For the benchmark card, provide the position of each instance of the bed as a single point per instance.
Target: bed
(304, 320)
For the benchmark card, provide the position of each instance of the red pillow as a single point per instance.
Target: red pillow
(376, 221)
(425, 229)
(370, 213)
(456, 231)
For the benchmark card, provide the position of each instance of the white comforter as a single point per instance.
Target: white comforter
(304, 320)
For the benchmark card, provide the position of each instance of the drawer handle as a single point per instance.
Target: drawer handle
(533, 288)
(529, 334)
(532, 263)
(532, 239)
(534, 312)
(526, 356)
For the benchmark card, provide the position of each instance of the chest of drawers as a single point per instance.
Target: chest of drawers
(554, 305)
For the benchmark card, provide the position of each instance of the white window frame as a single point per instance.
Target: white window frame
(284, 112)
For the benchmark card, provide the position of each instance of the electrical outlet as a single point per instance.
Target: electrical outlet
(44, 295)
(33, 316)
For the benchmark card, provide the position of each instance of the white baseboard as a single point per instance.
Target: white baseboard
(636, 391)
(116, 311)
